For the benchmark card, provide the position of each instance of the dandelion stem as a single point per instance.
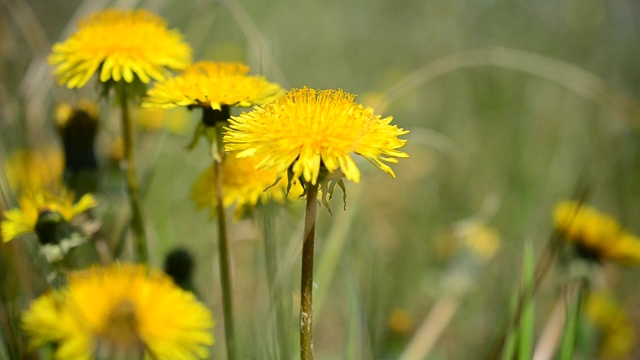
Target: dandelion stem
(137, 222)
(224, 257)
(306, 282)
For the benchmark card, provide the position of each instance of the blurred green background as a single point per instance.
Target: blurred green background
(497, 136)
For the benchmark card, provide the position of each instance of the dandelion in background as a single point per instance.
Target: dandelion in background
(213, 84)
(215, 87)
(616, 333)
(312, 135)
(48, 215)
(34, 169)
(78, 127)
(596, 236)
(137, 313)
(243, 186)
(120, 45)
(155, 120)
(127, 48)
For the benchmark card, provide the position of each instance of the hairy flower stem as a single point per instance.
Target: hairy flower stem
(137, 222)
(306, 282)
(223, 254)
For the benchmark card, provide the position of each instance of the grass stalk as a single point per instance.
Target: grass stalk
(306, 281)
(137, 222)
(575, 293)
(271, 258)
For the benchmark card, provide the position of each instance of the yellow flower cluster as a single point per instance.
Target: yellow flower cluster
(136, 313)
(596, 235)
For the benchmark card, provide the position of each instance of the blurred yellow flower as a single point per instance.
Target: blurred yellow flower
(213, 84)
(174, 121)
(597, 236)
(243, 186)
(120, 311)
(22, 220)
(308, 129)
(116, 150)
(617, 333)
(401, 321)
(30, 169)
(65, 112)
(120, 45)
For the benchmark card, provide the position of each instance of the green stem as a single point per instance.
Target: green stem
(306, 282)
(224, 256)
(137, 222)
(270, 238)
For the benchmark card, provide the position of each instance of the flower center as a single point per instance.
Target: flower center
(51, 227)
(119, 339)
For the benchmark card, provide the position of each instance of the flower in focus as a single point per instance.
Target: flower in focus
(596, 236)
(213, 84)
(136, 313)
(307, 130)
(28, 170)
(34, 206)
(617, 333)
(120, 45)
(243, 186)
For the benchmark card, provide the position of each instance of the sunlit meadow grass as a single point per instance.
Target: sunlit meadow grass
(512, 107)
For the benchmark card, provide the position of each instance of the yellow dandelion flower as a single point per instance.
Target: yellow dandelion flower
(65, 112)
(596, 235)
(137, 312)
(28, 170)
(151, 120)
(213, 84)
(120, 45)
(308, 128)
(401, 321)
(617, 333)
(243, 186)
(23, 220)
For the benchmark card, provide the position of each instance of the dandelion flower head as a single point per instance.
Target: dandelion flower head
(617, 333)
(23, 220)
(120, 310)
(120, 45)
(213, 84)
(243, 186)
(308, 128)
(32, 169)
(65, 113)
(596, 235)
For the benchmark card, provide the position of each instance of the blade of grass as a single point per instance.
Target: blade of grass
(511, 335)
(525, 334)
(568, 345)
